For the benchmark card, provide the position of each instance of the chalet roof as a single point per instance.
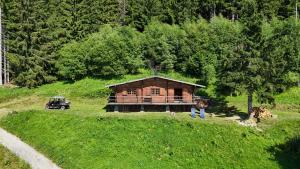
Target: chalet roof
(160, 77)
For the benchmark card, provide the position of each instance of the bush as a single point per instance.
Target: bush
(112, 52)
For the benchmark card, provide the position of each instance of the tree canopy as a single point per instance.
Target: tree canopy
(247, 46)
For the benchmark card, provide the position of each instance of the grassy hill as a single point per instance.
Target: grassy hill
(88, 137)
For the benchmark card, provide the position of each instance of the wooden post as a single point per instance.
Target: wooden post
(193, 95)
(116, 90)
(4, 66)
(7, 63)
(116, 108)
(7, 72)
(167, 91)
(142, 90)
(168, 108)
(249, 102)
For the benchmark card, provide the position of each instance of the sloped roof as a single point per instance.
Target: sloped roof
(160, 77)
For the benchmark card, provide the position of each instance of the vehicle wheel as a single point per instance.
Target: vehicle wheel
(62, 108)
(47, 107)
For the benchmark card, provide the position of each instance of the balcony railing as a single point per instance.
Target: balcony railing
(152, 99)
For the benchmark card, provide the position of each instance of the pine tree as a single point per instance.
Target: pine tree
(243, 71)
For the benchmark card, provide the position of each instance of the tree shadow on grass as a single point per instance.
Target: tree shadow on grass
(288, 153)
(219, 106)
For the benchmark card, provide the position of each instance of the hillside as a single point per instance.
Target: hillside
(241, 57)
(88, 137)
(104, 142)
(92, 91)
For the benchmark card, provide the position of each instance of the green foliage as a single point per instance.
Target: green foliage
(162, 43)
(265, 58)
(193, 49)
(281, 51)
(239, 46)
(37, 30)
(195, 53)
(112, 52)
(72, 63)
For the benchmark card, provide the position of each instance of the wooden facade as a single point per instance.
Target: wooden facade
(152, 92)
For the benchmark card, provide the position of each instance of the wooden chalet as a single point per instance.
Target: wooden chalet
(154, 93)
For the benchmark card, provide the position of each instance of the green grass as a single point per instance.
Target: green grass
(87, 94)
(88, 137)
(12, 93)
(106, 142)
(289, 101)
(10, 161)
(86, 88)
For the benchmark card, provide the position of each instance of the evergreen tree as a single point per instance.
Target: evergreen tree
(244, 71)
(38, 29)
(280, 52)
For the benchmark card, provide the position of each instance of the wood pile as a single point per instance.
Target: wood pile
(260, 113)
(202, 103)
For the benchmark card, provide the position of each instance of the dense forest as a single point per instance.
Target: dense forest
(248, 45)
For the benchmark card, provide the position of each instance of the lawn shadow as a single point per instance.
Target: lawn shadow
(287, 154)
(219, 106)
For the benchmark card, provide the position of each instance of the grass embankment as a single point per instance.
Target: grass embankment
(10, 161)
(88, 94)
(87, 137)
(104, 142)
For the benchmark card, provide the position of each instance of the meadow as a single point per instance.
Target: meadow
(86, 136)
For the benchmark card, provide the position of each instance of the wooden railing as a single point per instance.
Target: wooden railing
(152, 99)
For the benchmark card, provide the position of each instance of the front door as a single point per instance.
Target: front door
(178, 94)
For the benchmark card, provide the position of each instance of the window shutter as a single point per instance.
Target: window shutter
(160, 91)
(148, 92)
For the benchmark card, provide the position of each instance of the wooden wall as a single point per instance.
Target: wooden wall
(143, 90)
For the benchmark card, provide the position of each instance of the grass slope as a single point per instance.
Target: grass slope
(87, 94)
(105, 142)
(10, 161)
(88, 88)
(286, 103)
(87, 137)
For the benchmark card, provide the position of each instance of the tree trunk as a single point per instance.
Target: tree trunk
(250, 102)
(1, 79)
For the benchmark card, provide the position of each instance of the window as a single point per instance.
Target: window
(155, 91)
(131, 91)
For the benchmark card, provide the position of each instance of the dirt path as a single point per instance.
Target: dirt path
(35, 159)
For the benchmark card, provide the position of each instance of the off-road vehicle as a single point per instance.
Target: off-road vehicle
(58, 102)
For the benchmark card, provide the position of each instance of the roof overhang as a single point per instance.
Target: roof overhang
(160, 77)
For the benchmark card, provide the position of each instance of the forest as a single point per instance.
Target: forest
(244, 54)
(249, 46)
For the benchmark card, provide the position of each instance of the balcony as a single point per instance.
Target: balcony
(152, 100)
